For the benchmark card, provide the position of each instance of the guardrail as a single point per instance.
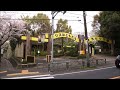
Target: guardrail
(74, 64)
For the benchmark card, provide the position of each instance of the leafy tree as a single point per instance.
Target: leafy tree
(95, 25)
(62, 26)
(38, 24)
(110, 26)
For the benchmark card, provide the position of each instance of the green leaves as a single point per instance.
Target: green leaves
(13, 43)
(109, 25)
(62, 26)
(39, 23)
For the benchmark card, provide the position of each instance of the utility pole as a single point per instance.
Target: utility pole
(52, 34)
(86, 38)
(54, 13)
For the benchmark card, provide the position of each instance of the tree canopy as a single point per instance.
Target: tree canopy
(37, 24)
(10, 28)
(62, 26)
(109, 26)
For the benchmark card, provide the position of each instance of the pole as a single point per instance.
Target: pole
(52, 35)
(86, 38)
(54, 13)
(79, 45)
(112, 47)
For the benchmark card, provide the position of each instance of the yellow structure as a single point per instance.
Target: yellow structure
(91, 39)
(33, 38)
(56, 35)
(63, 34)
(82, 52)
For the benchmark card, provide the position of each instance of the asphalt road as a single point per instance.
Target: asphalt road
(103, 73)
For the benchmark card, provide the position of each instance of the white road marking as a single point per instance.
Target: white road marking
(27, 76)
(43, 78)
(83, 71)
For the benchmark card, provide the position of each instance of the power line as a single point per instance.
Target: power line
(36, 13)
(74, 14)
(14, 12)
(68, 16)
(80, 14)
(39, 19)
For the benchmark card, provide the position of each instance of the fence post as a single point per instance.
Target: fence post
(97, 62)
(49, 67)
(67, 65)
(105, 60)
(83, 63)
(48, 58)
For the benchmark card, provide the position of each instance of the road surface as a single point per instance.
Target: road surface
(102, 73)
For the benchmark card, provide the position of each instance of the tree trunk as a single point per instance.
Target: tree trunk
(28, 45)
(62, 45)
(13, 53)
(0, 54)
(49, 45)
(79, 45)
(112, 47)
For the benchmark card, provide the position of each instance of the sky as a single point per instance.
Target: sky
(73, 18)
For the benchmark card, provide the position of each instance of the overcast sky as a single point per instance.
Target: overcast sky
(71, 16)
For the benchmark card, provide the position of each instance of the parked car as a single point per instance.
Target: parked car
(117, 61)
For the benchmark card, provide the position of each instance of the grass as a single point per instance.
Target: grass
(85, 67)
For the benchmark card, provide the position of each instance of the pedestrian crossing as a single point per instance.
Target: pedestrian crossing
(47, 76)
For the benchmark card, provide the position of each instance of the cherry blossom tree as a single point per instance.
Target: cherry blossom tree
(9, 28)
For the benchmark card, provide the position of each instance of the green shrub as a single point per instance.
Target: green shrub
(81, 56)
(43, 53)
(57, 55)
(71, 51)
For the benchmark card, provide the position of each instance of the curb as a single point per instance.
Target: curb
(3, 72)
(15, 74)
(117, 77)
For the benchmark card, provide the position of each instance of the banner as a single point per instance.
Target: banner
(99, 39)
(63, 34)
